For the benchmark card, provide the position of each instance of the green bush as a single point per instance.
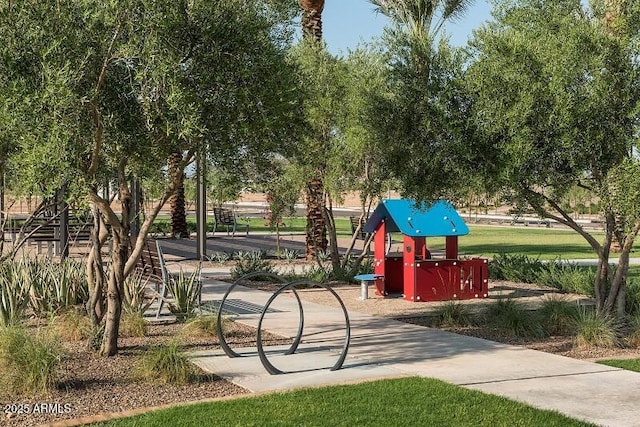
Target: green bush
(513, 319)
(516, 268)
(633, 338)
(567, 277)
(558, 315)
(185, 293)
(55, 286)
(28, 362)
(134, 298)
(453, 313)
(14, 295)
(595, 330)
(252, 265)
(165, 364)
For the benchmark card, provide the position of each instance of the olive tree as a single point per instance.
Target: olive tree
(555, 99)
(111, 89)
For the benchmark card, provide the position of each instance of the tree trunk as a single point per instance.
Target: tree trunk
(95, 270)
(177, 201)
(115, 290)
(119, 258)
(316, 240)
(311, 20)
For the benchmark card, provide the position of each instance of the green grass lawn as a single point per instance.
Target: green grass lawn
(397, 402)
(628, 364)
(544, 243)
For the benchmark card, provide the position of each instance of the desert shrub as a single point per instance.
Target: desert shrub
(220, 257)
(567, 277)
(71, 325)
(202, 326)
(557, 315)
(246, 266)
(634, 331)
(595, 330)
(516, 268)
(289, 255)
(185, 293)
(55, 286)
(132, 324)
(633, 295)
(28, 362)
(513, 319)
(453, 313)
(165, 364)
(14, 295)
(133, 298)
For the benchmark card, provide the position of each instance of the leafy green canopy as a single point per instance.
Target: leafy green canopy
(93, 84)
(554, 100)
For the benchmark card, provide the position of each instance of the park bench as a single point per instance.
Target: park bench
(42, 231)
(226, 218)
(526, 221)
(153, 267)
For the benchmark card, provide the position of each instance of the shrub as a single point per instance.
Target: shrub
(453, 313)
(28, 363)
(247, 266)
(135, 287)
(289, 255)
(14, 296)
(516, 268)
(132, 324)
(55, 286)
(185, 292)
(595, 330)
(634, 331)
(567, 277)
(513, 319)
(71, 325)
(220, 257)
(165, 364)
(202, 326)
(558, 315)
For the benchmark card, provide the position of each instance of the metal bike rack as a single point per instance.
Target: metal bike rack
(296, 342)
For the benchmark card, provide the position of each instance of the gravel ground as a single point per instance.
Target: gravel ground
(89, 384)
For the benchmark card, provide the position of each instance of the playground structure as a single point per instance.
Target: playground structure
(415, 272)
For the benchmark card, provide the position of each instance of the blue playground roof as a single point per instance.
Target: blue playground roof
(405, 216)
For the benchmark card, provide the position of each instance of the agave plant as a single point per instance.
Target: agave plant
(135, 287)
(54, 286)
(14, 296)
(185, 292)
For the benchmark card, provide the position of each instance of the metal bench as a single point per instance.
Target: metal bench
(154, 267)
(226, 218)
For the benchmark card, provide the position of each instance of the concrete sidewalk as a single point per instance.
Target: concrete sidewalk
(382, 348)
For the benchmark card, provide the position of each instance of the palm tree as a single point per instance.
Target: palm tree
(316, 239)
(177, 200)
(422, 20)
(417, 16)
(312, 19)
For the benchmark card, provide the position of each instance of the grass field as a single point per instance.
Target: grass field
(628, 364)
(398, 402)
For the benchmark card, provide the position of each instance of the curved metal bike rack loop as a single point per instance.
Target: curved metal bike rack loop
(223, 342)
(347, 339)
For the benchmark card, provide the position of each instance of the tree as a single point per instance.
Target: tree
(556, 93)
(109, 89)
(420, 117)
(319, 131)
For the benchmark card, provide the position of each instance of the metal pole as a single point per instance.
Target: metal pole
(64, 223)
(201, 204)
(135, 196)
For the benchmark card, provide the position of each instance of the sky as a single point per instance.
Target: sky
(349, 22)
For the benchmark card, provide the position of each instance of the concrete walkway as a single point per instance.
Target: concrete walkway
(382, 348)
